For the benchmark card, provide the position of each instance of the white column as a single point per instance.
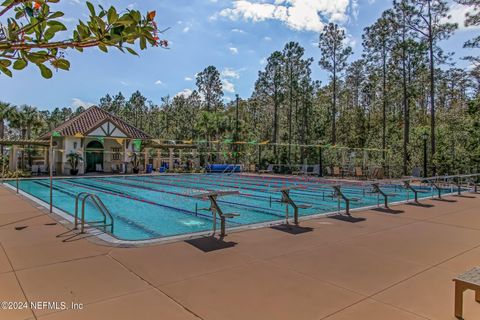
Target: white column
(170, 160)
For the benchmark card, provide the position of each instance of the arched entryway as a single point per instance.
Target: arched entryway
(94, 156)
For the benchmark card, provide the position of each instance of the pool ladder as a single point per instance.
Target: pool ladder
(84, 196)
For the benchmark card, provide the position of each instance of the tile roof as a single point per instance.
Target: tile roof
(91, 119)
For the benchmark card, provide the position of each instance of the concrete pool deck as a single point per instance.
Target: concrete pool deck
(391, 266)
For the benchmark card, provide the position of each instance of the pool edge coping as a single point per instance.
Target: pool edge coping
(107, 239)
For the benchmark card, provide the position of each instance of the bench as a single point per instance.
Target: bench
(468, 280)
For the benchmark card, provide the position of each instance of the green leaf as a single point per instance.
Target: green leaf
(91, 8)
(112, 15)
(20, 64)
(143, 43)
(56, 15)
(6, 3)
(19, 14)
(61, 64)
(46, 72)
(56, 24)
(102, 47)
(29, 11)
(5, 63)
(6, 71)
(36, 58)
(136, 16)
(131, 51)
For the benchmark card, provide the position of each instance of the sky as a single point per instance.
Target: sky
(234, 36)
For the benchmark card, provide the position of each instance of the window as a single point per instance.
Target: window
(116, 154)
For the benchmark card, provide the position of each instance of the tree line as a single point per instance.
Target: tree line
(403, 88)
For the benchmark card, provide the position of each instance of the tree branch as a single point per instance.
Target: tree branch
(10, 6)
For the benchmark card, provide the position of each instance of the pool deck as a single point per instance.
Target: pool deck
(391, 266)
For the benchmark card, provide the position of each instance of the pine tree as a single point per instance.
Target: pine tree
(334, 55)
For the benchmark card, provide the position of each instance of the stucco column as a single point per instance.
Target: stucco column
(195, 158)
(13, 159)
(146, 159)
(170, 160)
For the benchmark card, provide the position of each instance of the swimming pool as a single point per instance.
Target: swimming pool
(159, 206)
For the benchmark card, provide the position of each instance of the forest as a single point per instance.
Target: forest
(402, 90)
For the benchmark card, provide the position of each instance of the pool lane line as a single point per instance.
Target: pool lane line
(323, 205)
(159, 182)
(192, 185)
(235, 204)
(310, 195)
(254, 208)
(306, 179)
(302, 193)
(127, 221)
(312, 183)
(314, 201)
(304, 185)
(310, 187)
(367, 199)
(127, 196)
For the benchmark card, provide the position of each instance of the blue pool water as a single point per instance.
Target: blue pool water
(147, 207)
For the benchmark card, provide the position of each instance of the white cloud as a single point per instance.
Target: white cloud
(233, 50)
(131, 6)
(184, 93)
(237, 30)
(267, 39)
(76, 102)
(308, 15)
(228, 86)
(457, 15)
(158, 82)
(186, 29)
(230, 73)
(188, 79)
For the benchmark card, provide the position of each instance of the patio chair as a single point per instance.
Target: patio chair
(329, 171)
(43, 169)
(313, 170)
(115, 168)
(303, 170)
(336, 172)
(269, 169)
(359, 173)
(380, 173)
(98, 167)
(416, 172)
(35, 169)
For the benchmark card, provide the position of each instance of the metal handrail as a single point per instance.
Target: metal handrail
(76, 207)
(100, 206)
(435, 178)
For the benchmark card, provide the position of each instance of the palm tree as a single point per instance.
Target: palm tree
(5, 115)
(27, 120)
